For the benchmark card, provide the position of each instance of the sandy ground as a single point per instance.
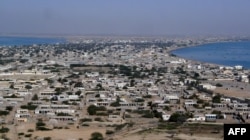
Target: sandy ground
(58, 134)
(69, 134)
(233, 93)
(233, 89)
(166, 136)
(127, 134)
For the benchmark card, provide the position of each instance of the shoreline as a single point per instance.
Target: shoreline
(170, 52)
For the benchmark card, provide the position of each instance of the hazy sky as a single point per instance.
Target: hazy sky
(126, 17)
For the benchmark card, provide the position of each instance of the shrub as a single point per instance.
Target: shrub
(92, 109)
(29, 106)
(178, 117)
(98, 119)
(147, 96)
(4, 130)
(108, 132)
(85, 124)
(47, 138)
(9, 108)
(30, 130)
(219, 85)
(4, 113)
(85, 120)
(96, 136)
(28, 135)
(43, 128)
(119, 126)
(19, 134)
(216, 98)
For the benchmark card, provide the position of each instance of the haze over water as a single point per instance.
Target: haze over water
(225, 53)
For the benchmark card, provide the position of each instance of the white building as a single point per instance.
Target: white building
(207, 86)
(166, 117)
(197, 117)
(238, 67)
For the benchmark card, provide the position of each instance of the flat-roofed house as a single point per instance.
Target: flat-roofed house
(210, 117)
(47, 93)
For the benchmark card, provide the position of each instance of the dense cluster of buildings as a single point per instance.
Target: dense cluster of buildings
(120, 80)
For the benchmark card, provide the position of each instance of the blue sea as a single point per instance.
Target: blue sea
(18, 41)
(224, 53)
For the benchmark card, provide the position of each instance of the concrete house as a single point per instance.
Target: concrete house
(48, 93)
(210, 117)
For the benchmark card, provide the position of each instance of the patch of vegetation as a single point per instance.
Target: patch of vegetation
(116, 103)
(147, 96)
(96, 136)
(109, 132)
(29, 106)
(27, 135)
(219, 85)
(145, 113)
(217, 99)
(40, 125)
(34, 98)
(3, 113)
(20, 134)
(148, 114)
(92, 109)
(119, 126)
(179, 117)
(30, 130)
(62, 114)
(12, 96)
(4, 130)
(85, 124)
(98, 119)
(47, 138)
(218, 113)
(8, 108)
(139, 100)
(85, 120)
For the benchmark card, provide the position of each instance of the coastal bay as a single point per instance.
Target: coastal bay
(221, 53)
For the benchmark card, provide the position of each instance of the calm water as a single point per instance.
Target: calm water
(12, 41)
(226, 53)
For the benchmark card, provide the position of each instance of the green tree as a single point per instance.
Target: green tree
(9, 108)
(35, 97)
(219, 85)
(116, 103)
(4, 113)
(96, 136)
(216, 98)
(92, 109)
(12, 86)
(78, 93)
(4, 130)
(196, 75)
(47, 138)
(132, 82)
(178, 117)
(28, 87)
(79, 84)
(99, 86)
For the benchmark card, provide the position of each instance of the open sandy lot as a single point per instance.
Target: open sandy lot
(233, 89)
(57, 134)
